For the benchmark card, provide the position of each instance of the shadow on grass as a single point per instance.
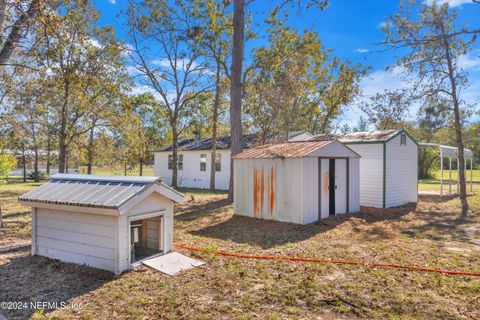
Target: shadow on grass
(195, 210)
(268, 234)
(38, 279)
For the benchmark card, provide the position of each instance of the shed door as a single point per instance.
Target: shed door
(323, 183)
(340, 186)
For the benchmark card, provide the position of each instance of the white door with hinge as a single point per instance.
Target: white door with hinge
(324, 188)
(340, 186)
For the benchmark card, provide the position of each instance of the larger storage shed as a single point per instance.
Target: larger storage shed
(298, 182)
(106, 222)
(388, 167)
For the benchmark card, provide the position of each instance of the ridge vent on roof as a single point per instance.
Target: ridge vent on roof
(103, 178)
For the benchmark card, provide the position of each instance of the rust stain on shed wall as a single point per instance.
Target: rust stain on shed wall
(255, 191)
(271, 191)
(262, 190)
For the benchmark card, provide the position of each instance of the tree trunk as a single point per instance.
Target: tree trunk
(24, 161)
(216, 107)
(125, 169)
(23, 22)
(236, 85)
(62, 156)
(49, 148)
(174, 156)
(36, 174)
(91, 144)
(3, 14)
(458, 124)
(141, 166)
(62, 143)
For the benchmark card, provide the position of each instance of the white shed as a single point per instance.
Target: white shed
(388, 167)
(106, 222)
(298, 182)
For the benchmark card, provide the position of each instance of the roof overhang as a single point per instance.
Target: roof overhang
(447, 151)
(74, 208)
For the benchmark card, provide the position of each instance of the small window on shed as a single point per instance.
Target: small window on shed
(218, 162)
(403, 139)
(203, 162)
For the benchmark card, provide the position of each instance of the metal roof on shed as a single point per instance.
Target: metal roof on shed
(283, 150)
(364, 136)
(89, 190)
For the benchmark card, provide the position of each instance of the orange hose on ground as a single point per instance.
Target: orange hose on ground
(332, 261)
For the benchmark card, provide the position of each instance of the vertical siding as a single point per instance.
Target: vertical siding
(402, 162)
(77, 237)
(354, 185)
(310, 189)
(371, 173)
(191, 176)
(269, 189)
(123, 243)
(325, 185)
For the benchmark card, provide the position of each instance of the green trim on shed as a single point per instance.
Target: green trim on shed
(384, 174)
(399, 132)
(363, 142)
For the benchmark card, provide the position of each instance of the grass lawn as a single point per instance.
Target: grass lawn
(147, 171)
(428, 234)
(446, 175)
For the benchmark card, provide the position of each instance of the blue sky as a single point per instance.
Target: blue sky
(351, 29)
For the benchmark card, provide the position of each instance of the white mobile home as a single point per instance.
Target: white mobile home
(388, 167)
(195, 158)
(298, 182)
(105, 222)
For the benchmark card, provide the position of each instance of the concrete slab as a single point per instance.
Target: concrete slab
(172, 263)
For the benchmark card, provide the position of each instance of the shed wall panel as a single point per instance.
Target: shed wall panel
(402, 172)
(269, 189)
(310, 190)
(76, 237)
(354, 185)
(371, 173)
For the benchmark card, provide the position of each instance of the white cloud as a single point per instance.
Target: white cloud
(112, 1)
(381, 80)
(451, 3)
(361, 50)
(470, 61)
(383, 24)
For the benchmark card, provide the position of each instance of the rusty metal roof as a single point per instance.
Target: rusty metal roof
(89, 190)
(365, 136)
(283, 150)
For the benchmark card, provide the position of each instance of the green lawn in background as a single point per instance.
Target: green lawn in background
(436, 174)
(118, 171)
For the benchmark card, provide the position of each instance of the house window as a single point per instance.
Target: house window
(403, 139)
(203, 162)
(218, 162)
(179, 162)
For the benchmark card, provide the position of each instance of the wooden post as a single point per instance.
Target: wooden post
(471, 175)
(458, 177)
(450, 175)
(441, 173)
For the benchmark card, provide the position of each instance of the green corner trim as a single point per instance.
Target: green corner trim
(384, 173)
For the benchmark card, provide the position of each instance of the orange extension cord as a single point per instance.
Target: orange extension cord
(332, 261)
